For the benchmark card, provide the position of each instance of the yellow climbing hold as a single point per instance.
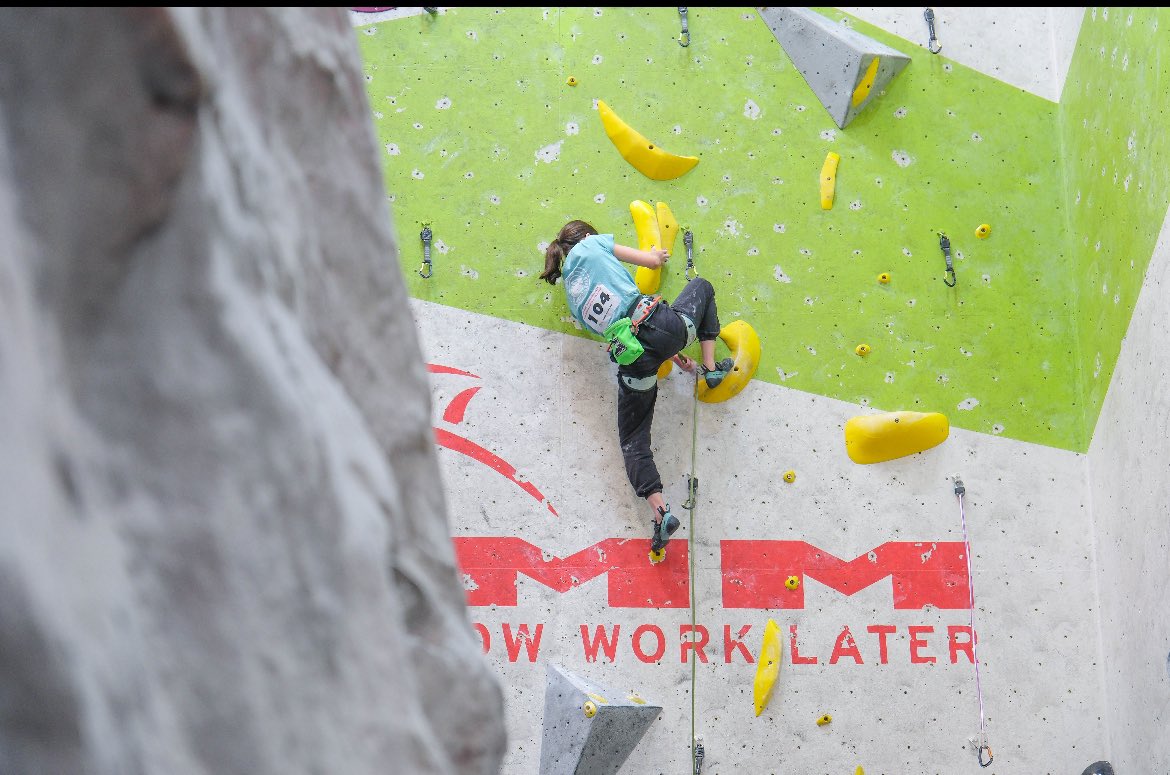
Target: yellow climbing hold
(866, 83)
(884, 278)
(656, 228)
(665, 368)
(571, 80)
(744, 344)
(645, 156)
(859, 771)
(829, 180)
(636, 699)
(767, 665)
(983, 231)
(862, 350)
(790, 476)
(589, 708)
(825, 719)
(878, 437)
(792, 582)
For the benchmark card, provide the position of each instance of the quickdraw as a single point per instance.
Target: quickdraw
(945, 244)
(689, 241)
(982, 746)
(424, 270)
(932, 45)
(684, 38)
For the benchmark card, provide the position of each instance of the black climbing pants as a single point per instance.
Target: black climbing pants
(663, 335)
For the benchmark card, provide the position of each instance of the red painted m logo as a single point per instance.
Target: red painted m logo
(491, 567)
(933, 573)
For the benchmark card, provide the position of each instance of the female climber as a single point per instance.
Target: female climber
(644, 332)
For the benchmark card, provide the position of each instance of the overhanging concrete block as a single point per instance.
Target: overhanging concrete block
(589, 729)
(844, 68)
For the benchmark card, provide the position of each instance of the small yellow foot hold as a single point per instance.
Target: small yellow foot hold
(790, 476)
(884, 278)
(657, 556)
(984, 231)
(589, 709)
(825, 719)
(863, 350)
(571, 80)
(792, 582)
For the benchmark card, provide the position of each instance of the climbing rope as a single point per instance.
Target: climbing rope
(691, 505)
(982, 744)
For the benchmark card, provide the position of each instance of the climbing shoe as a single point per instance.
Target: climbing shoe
(714, 376)
(663, 529)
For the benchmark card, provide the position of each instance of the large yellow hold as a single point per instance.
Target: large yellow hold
(645, 156)
(879, 437)
(656, 227)
(767, 666)
(744, 344)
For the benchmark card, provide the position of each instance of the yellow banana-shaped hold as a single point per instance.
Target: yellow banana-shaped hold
(744, 344)
(866, 83)
(878, 437)
(767, 666)
(649, 236)
(829, 180)
(656, 228)
(645, 156)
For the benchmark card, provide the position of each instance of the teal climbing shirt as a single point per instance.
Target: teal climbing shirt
(598, 288)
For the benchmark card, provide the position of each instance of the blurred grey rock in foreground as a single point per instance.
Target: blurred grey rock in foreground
(224, 545)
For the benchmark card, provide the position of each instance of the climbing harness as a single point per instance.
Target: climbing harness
(642, 311)
(932, 45)
(697, 751)
(945, 244)
(982, 744)
(689, 241)
(684, 38)
(424, 270)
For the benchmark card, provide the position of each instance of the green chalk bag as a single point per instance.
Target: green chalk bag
(624, 346)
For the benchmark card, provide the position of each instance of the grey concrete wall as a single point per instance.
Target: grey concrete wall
(224, 546)
(544, 404)
(1130, 495)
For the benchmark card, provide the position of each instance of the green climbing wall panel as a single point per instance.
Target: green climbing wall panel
(483, 139)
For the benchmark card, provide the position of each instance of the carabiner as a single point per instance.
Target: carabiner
(684, 38)
(689, 241)
(930, 44)
(425, 236)
(990, 757)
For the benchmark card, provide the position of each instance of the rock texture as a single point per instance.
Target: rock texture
(225, 546)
